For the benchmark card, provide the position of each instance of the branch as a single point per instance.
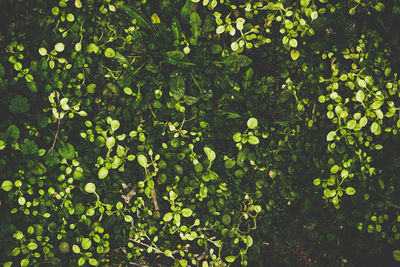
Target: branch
(58, 130)
(148, 246)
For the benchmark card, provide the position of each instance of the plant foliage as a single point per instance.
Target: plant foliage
(199, 132)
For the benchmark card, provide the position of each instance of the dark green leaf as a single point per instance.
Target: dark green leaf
(190, 100)
(67, 151)
(195, 22)
(12, 133)
(177, 87)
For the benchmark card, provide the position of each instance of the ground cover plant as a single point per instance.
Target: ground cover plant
(199, 133)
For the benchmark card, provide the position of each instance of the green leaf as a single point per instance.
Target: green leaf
(362, 83)
(186, 9)
(226, 219)
(284, 96)
(42, 51)
(19, 104)
(81, 261)
(293, 42)
(351, 124)
(16, 251)
(121, 59)
(7, 185)
(59, 47)
(78, 4)
(128, 218)
(90, 187)
(2, 71)
(131, 11)
(86, 243)
(175, 56)
(167, 217)
(24, 262)
(115, 125)
(91, 88)
(234, 46)
(190, 100)
(314, 15)
(334, 169)
(3, 144)
(220, 29)
(237, 137)
(377, 104)
(229, 163)
(142, 161)
(375, 128)
(350, 191)
(195, 22)
(177, 87)
(187, 212)
(294, 54)
(230, 258)
(203, 192)
(249, 241)
(396, 255)
(252, 123)
(253, 140)
(29, 147)
(32, 246)
(240, 61)
(76, 249)
(168, 253)
(67, 151)
(109, 52)
(317, 181)
(210, 154)
(360, 96)
(331, 135)
(176, 29)
(363, 121)
(128, 91)
(103, 172)
(93, 262)
(110, 142)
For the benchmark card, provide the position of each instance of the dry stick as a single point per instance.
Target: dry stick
(148, 246)
(58, 130)
(153, 194)
(138, 264)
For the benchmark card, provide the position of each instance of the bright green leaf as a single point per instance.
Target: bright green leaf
(109, 52)
(187, 212)
(350, 191)
(210, 154)
(59, 47)
(167, 217)
(7, 185)
(253, 140)
(86, 243)
(230, 258)
(110, 142)
(142, 161)
(396, 255)
(252, 123)
(360, 96)
(90, 187)
(294, 54)
(103, 172)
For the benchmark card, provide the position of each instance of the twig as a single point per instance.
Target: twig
(58, 130)
(138, 264)
(153, 194)
(148, 246)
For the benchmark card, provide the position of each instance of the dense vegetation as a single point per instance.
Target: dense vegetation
(199, 133)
